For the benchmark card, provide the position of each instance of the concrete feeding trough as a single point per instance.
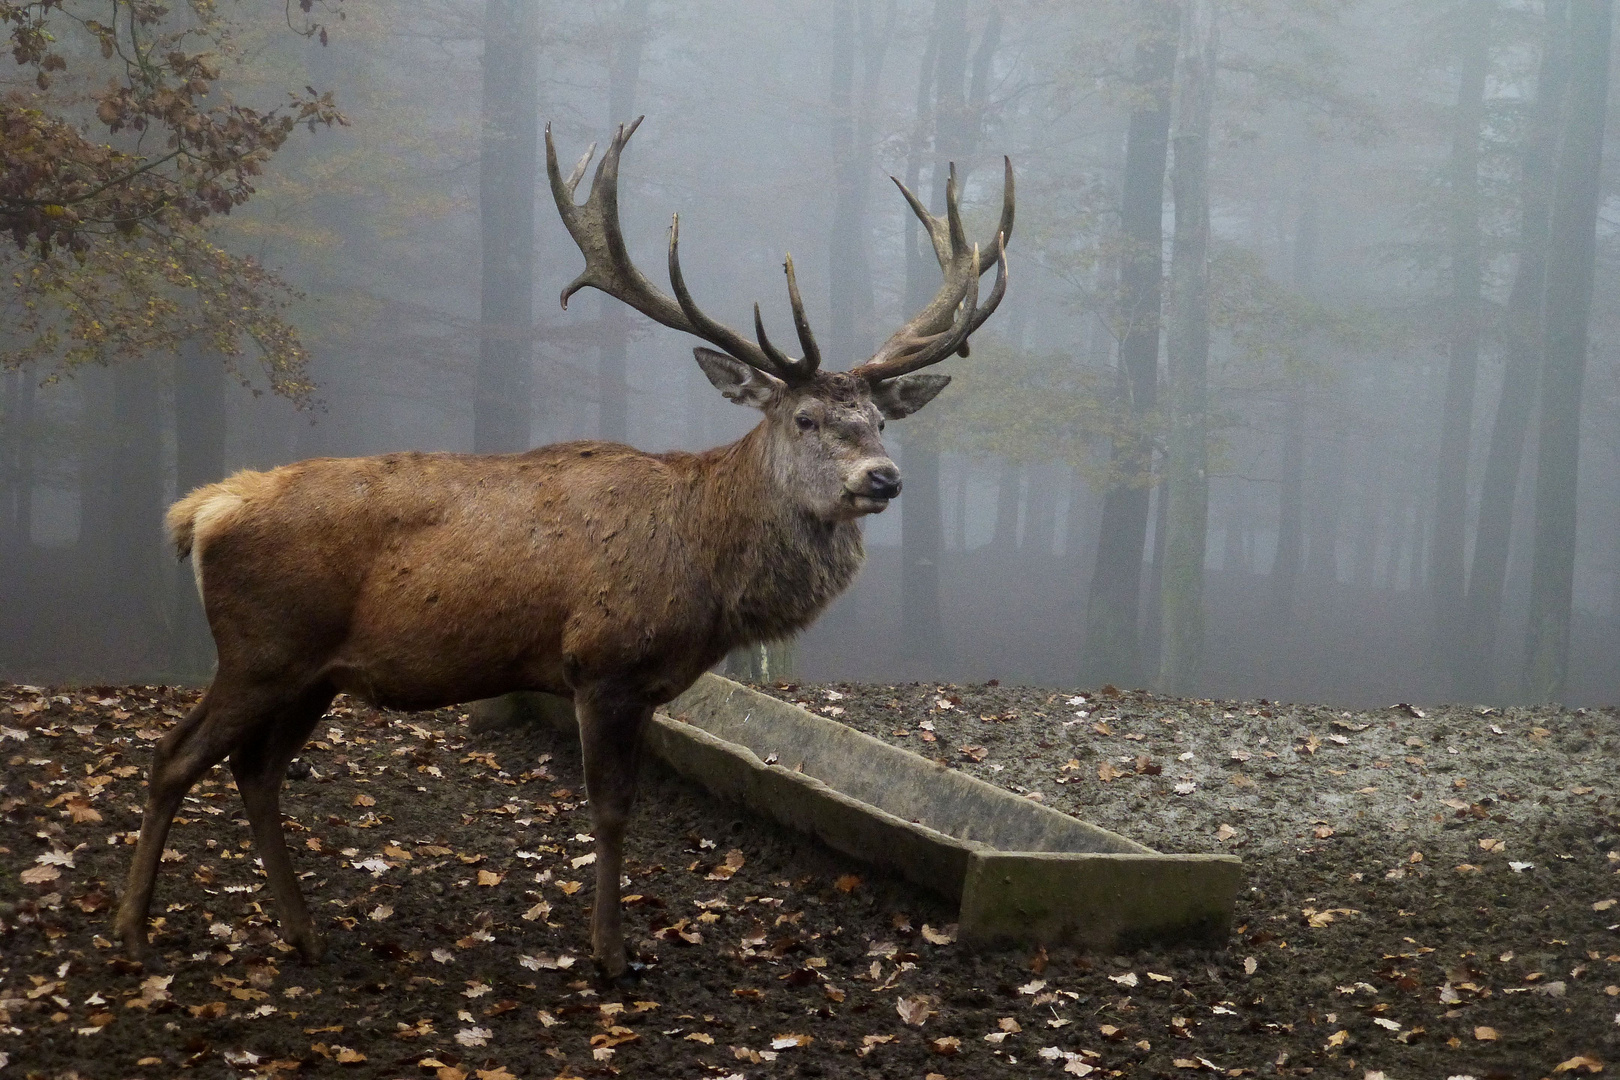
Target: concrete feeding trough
(1020, 872)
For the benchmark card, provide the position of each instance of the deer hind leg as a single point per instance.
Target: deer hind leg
(610, 727)
(259, 768)
(190, 749)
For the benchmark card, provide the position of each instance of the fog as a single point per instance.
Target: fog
(1387, 385)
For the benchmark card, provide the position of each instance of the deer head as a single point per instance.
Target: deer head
(822, 429)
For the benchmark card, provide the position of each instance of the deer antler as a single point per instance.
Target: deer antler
(595, 229)
(944, 326)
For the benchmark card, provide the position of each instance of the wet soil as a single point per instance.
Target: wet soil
(1429, 893)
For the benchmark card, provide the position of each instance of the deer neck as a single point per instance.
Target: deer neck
(775, 566)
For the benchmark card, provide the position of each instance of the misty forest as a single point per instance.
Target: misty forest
(1231, 682)
(1306, 384)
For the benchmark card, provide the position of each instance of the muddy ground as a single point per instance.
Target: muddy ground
(1430, 893)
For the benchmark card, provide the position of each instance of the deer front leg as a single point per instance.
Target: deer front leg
(180, 757)
(610, 726)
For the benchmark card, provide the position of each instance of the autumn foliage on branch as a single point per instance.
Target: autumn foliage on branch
(110, 250)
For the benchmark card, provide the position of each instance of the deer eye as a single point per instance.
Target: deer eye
(880, 423)
(805, 423)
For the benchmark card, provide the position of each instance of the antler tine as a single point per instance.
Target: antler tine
(594, 225)
(953, 214)
(1004, 229)
(953, 314)
(807, 339)
(778, 357)
(998, 290)
(901, 356)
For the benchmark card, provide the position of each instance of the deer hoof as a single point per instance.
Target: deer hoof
(632, 976)
(311, 948)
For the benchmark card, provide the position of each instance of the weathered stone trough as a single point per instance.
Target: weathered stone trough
(1019, 871)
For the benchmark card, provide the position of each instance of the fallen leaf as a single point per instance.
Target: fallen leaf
(700, 1037)
(1127, 979)
(847, 883)
(723, 871)
(914, 1010)
(1583, 1061)
(1485, 1034)
(939, 937)
(40, 875)
(489, 879)
(946, 1046)
(789, 1041)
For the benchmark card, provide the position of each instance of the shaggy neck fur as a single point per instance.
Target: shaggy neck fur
(777, 566)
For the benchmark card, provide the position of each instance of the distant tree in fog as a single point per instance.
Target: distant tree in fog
(503, 408)
(1567, 304)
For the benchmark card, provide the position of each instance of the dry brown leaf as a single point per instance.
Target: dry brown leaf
(700, 1037)
(947, 1046)
(489, 878)
(914, 1010)
(847, 883)
(1485, 1034)
(364, 800)
(1581, 1061)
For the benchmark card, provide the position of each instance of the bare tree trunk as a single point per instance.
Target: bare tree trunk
(1488, 573)
(624, 69)
(1009, 495)
(1457, 414)
(17, 465)
(503, 406)
(1040, 514)
(1112, 649)
(1568, 302)
(1289, 559)
(1186, 488)
(199, 432)
(955, 133)
(121, 498)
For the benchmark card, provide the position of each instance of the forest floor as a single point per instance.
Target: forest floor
(1429, 893)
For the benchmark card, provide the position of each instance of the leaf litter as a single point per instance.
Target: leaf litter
(459, 937)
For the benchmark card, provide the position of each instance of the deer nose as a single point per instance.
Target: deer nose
(883, 481)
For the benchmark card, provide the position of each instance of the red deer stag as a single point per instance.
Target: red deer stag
(587, 569)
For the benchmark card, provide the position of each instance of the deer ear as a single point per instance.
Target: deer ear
(905, 394)
(736, 380)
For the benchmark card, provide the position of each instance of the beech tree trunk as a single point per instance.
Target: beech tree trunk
(1487, 576)
(1186, 487)
(17, 465)
(1567, 304)
(613, 387)
(1289, 558)
(1462, 371)
(955, 133)
(503, 405)
(1112, 649)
